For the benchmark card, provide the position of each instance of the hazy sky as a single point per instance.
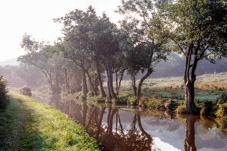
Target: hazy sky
(35, 17)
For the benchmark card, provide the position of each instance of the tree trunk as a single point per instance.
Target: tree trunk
(99, 78)
(134, 84)
(91, 84)
(110, 77)
(57, 88)
(51, 84)
(67, 87)
(84, 84)
(141, 83)
(96, 85)
(149, 70)
(189, 96)
(116, 80)
(108, 85)
(119, 84)
(190, 78)
(49, 80)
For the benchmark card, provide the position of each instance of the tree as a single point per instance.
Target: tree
(196, 29)
(79, 28)
(142, 49)
(106, 45)
(49, 59)
(36, 56)
(73, 52)
(91, 39)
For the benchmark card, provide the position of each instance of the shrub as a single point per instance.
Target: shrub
(208, 108)
(3, 92)
(132, 100)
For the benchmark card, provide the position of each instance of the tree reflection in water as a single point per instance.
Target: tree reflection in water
(110, 134)
(189, 142)
(115, 129)
(135, 138)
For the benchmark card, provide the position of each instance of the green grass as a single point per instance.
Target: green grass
(27, 124)
(11, 125)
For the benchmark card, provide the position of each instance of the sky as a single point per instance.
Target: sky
(35, 17)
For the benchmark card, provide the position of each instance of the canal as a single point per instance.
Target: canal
(122, 128)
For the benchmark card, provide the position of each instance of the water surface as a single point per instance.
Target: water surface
(120, 128)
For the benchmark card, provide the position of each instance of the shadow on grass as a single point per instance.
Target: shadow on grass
(17, 129)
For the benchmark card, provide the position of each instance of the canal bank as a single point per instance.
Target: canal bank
(27, 124)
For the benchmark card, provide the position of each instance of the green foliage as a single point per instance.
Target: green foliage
(221, 111)
(132, 100)
(141, 50)
(43, 127)
(3, 93)
(198, 23)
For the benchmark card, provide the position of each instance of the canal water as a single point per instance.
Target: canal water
(121, 128)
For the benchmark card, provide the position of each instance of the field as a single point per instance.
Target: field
(208, 87)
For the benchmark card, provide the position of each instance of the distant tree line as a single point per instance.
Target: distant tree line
(31, 76)
(174, 66)
(22, 75)
(93, 48)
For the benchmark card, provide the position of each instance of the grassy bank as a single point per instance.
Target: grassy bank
(27, 124)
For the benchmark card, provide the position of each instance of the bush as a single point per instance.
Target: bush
(132, 100)
(208, 108)
(3, 92)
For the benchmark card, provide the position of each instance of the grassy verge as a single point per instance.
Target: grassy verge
(27, 124)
